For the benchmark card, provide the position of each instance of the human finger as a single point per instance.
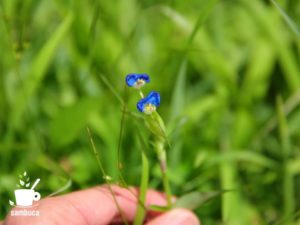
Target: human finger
(91, 206)
(176, 217)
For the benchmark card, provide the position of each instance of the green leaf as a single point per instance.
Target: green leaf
(156, 125)
(287, 19)
(194, 200)
(244, 156)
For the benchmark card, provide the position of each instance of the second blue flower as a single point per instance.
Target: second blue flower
(149, 103)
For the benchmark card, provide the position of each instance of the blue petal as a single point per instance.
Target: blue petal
(152, 98)
(131, 79)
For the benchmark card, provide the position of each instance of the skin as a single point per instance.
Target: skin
(95, 206)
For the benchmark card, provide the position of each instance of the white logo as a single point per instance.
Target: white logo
(25, 196)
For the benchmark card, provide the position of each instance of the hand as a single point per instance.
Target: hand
(96, 206)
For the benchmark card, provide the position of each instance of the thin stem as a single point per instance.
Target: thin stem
(141, 93)
(105, 176)
(162, 157)
(141, 210)
(166, 183)
(111, 87)
(288, 179)
(122, 124)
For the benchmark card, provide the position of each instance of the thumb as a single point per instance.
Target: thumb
(176, 217)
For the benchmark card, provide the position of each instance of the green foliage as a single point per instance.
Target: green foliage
(219, 67)
(194, 200)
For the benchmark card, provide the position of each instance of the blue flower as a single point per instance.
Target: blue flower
(149, 103)
(137, 80)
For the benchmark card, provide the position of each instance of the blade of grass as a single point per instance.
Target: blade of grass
(179, 92)
(288, 179)
(281, 42)
(122, 124)
(245, 156)
(218, 63)
(196, 199)
(61, 189)
(178, 101)
(289, 106)
(232, 211)
(111, 88)
(206, 10)
(287, 19)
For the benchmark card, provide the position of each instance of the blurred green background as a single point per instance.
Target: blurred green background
(229, 76)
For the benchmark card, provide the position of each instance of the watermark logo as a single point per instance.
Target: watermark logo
(25, 196)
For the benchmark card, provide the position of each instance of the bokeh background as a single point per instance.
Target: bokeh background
(229, 76)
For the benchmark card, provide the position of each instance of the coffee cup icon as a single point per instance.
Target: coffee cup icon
(25, 197)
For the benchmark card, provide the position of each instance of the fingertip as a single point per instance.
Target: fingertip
(176, 217)
(155, 198)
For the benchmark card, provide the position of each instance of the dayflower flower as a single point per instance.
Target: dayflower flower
(149, 103)
(137, 80)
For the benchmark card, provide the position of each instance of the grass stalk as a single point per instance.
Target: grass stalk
(162, 157)
(105, 176)
(166, 185)
(141, 210)
(288, 180)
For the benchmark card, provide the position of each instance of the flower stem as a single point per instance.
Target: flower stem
(156, 125)
(162, 157)
(141, 211)
(166, 184)
(141, 94)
